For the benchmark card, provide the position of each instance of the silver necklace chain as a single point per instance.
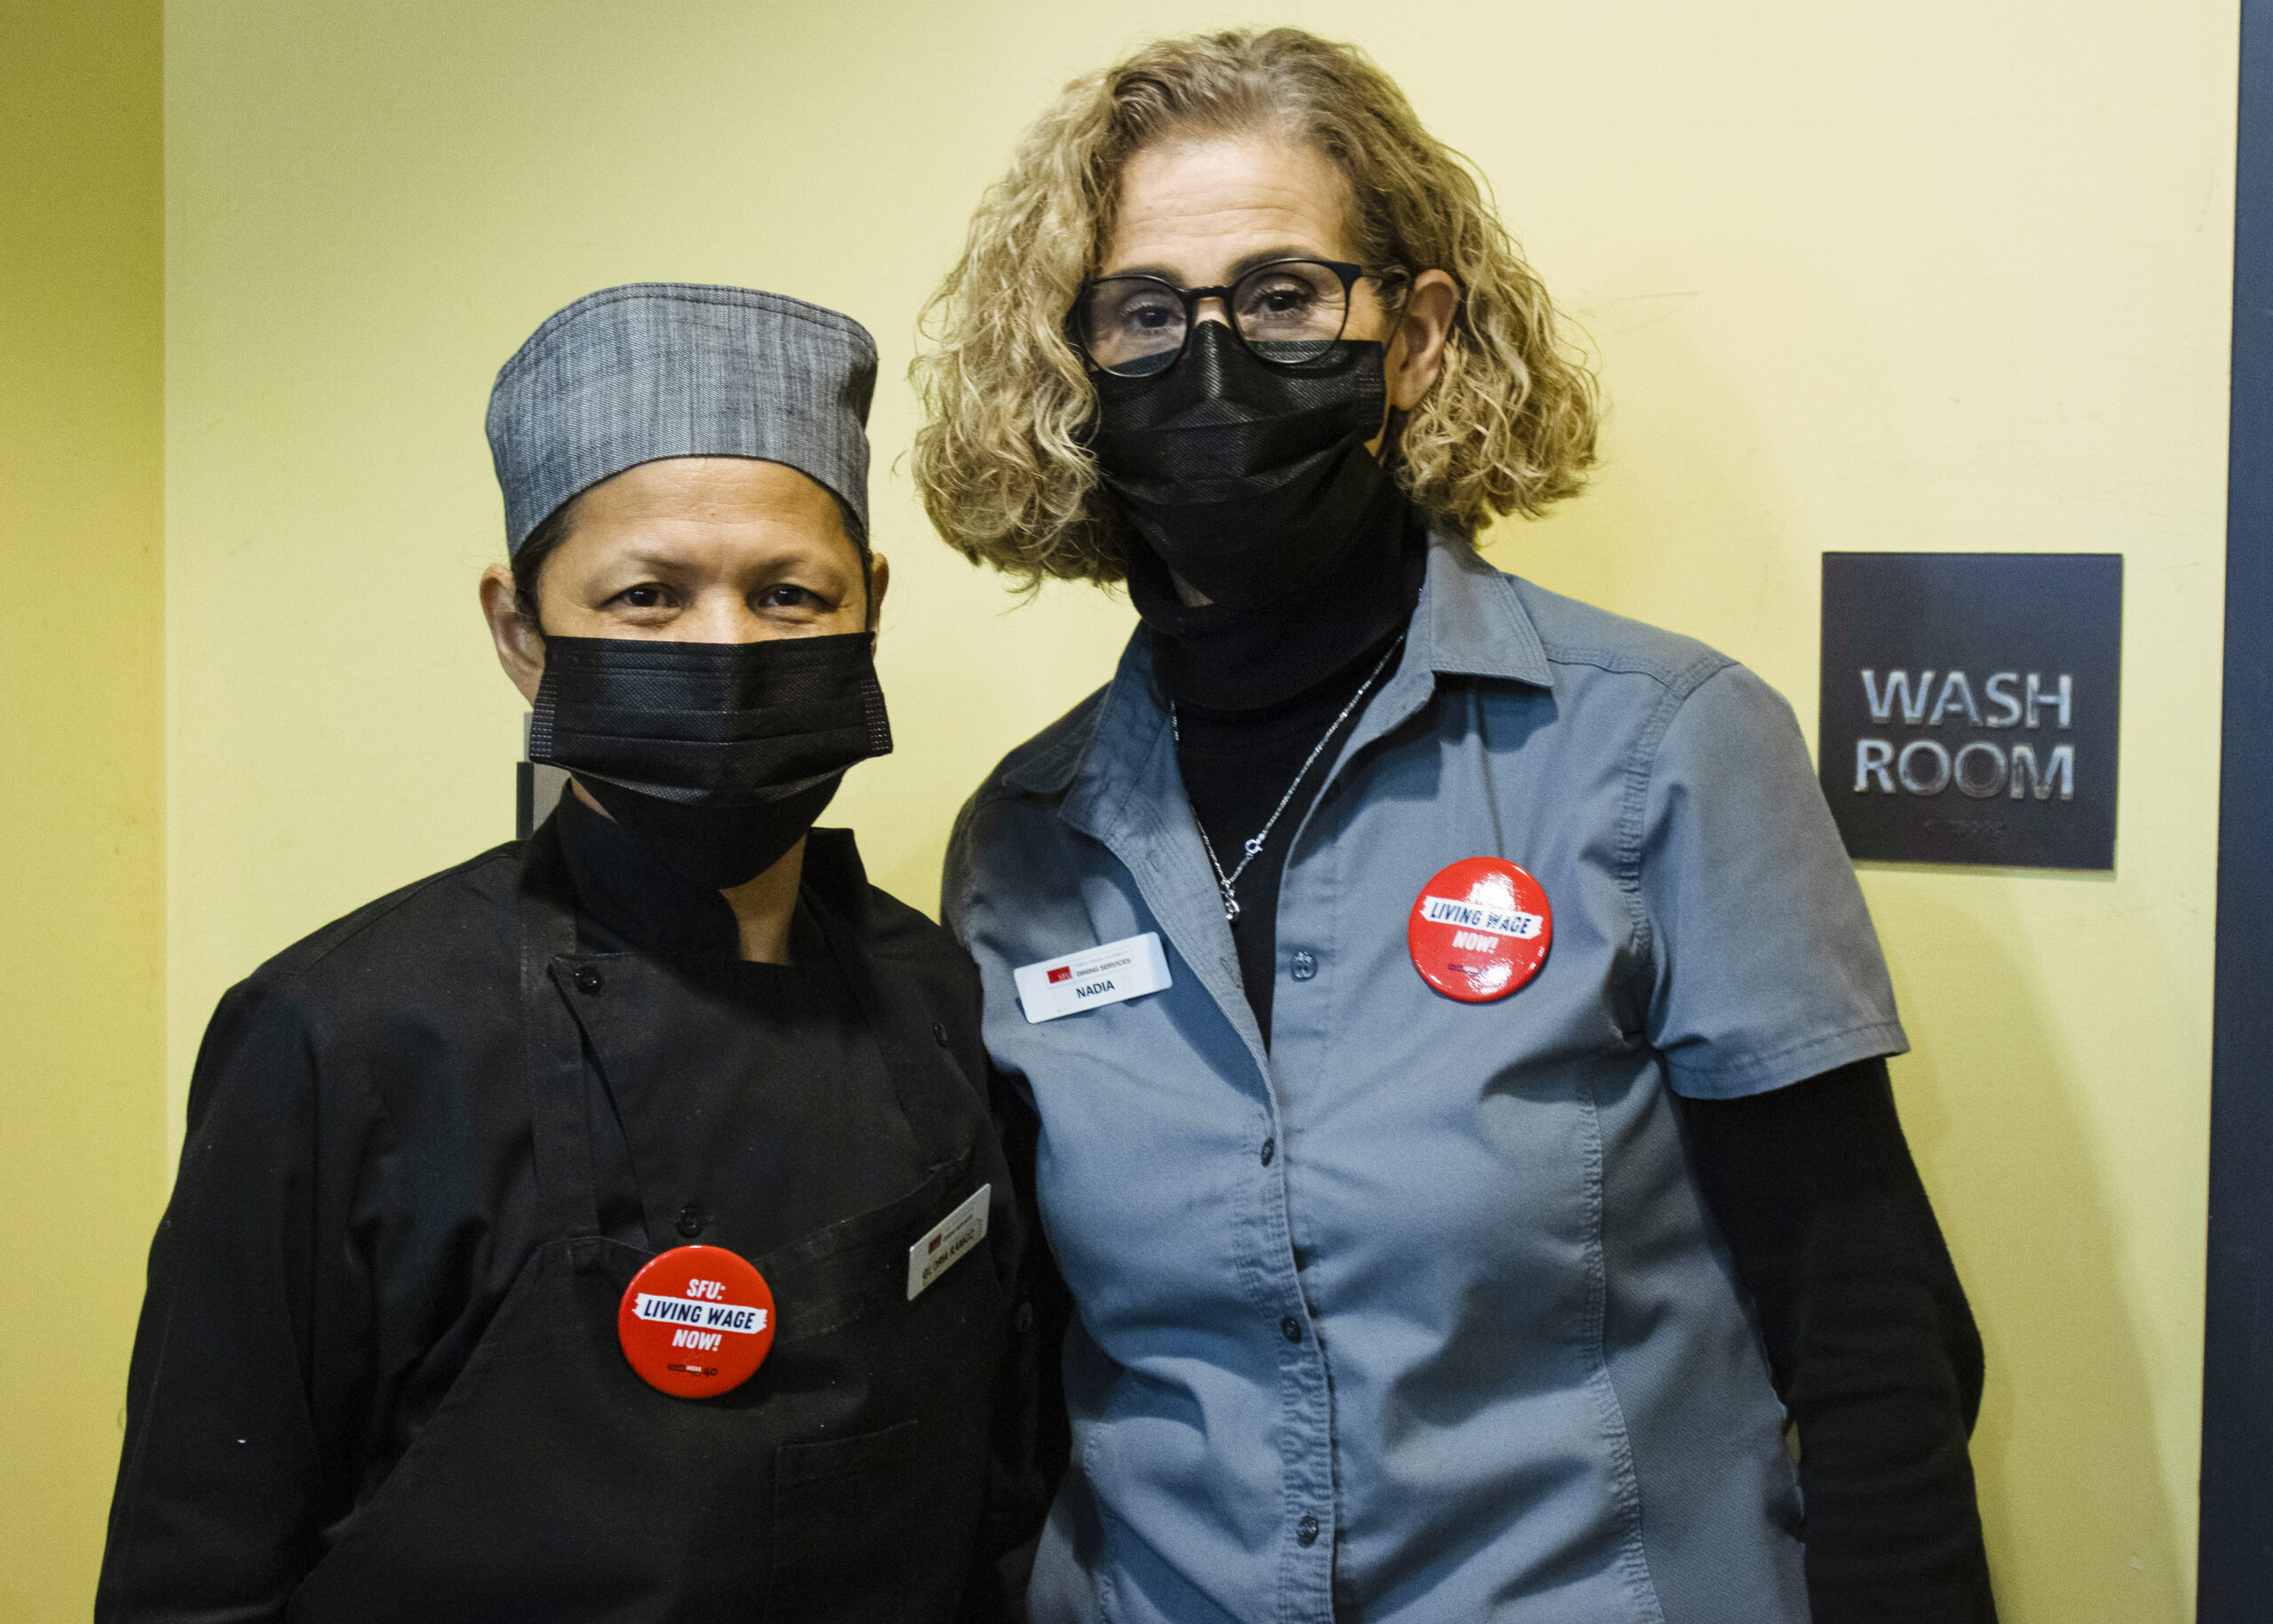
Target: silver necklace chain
(1227, 883)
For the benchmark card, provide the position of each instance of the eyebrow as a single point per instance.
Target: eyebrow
(654, 560)
(645, 558)
(1260, 257)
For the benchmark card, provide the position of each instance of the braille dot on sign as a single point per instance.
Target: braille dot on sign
(1270, 1149)
(1305, 965)
(589, 981)
(1306, 1531)
(939, 1032)
(1292, 1328)
(690, 1220)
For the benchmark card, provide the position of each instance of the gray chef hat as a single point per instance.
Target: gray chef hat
(654, 370)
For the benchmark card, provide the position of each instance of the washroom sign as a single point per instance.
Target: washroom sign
(1970, 704)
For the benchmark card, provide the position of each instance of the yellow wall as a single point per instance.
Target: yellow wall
(81, 1038)
(1946, 275)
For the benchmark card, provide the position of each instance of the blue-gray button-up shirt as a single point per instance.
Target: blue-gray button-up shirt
(1418, 1314)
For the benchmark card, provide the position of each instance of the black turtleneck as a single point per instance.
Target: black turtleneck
(1254, 695)
(1236, 765)
(1248, 661)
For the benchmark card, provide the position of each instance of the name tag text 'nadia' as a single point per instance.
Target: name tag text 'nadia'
(1112, 973)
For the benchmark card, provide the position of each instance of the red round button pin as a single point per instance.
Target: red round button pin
(696, 1322)
(1479, 930)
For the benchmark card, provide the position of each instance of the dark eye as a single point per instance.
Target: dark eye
(1295, 302)
(647, 596)
(1126, 320)
(1280, 299)
(787, 596)
(1132, 305)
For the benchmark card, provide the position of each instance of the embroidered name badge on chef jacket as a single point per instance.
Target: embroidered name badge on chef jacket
(952, 1237)
(1118, 971)
(1479, 930)
(696, 1322)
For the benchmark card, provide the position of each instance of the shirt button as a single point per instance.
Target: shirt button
(1291, 1328)
(1305, 965)
(589, 981)
(1023, 1322)
(1306, 1531)
(1270, 1149)
(690, 1220)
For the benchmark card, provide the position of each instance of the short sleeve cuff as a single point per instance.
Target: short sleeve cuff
(1738, 1077)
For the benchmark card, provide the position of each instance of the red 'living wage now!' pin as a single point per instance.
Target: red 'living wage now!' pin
(696, 1322)
(1479, 930)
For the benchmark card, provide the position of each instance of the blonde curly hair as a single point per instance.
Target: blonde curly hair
(1507, 428)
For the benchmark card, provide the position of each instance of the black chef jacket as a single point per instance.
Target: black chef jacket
(357, 1194)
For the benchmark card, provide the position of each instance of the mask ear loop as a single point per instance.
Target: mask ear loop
(1391, 455)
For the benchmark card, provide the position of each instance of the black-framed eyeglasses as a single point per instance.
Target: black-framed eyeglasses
(1287, 312)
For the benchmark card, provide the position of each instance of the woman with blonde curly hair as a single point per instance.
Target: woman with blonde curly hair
(1457, 1035)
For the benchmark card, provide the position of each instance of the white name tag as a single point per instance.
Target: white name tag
(1129, 967)
(1504, 921)
(955, 1234)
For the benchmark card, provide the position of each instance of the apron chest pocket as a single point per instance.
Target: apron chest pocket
(845, 1524)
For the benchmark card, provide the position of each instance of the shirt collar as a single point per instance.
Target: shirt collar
(1475, 620)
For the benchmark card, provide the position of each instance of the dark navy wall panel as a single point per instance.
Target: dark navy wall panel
(2236, 1579)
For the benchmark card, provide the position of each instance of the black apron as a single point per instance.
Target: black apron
(845, 1481)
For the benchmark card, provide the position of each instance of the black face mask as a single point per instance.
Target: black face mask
(1245, 479)
(716, 756)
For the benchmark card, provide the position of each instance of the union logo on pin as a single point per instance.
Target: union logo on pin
(1479, 930)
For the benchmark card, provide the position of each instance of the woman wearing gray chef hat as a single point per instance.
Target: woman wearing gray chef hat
(616, 1226)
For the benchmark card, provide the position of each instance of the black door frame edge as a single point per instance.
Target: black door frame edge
(2236, 1543)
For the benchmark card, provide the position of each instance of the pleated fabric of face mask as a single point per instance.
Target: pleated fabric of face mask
(1245, 478)
(716, 756)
